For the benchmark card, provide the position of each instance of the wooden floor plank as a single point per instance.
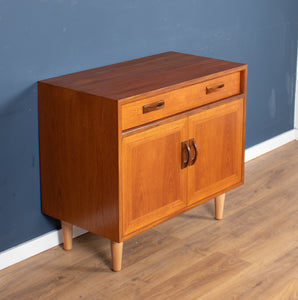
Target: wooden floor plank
(193, 282)
(259, 281)
(251, 254)
(288, 292)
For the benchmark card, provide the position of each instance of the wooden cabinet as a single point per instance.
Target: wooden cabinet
(128, 146)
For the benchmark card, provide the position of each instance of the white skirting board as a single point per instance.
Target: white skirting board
(54, 238)
(271, 144)
(34, 246)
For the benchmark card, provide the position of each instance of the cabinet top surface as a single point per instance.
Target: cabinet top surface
(144, 75)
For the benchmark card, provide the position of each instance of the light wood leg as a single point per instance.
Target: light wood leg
(67, 229)
(219, 206)
(117, 255)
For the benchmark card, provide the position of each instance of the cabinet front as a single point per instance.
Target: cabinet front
(218, 136)
(153, 183)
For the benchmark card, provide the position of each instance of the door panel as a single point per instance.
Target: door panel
(154, 185)
(218, 133)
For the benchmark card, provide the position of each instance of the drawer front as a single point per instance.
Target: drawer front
(179, 100)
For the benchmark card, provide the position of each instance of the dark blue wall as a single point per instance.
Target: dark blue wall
(42, 39)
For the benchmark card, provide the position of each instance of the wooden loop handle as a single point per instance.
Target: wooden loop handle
(194, 145)
(185, 154)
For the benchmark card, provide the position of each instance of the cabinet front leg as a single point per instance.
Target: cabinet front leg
(117, 255)
(219, 206)
(67, 229)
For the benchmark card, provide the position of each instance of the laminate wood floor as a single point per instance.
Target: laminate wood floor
(251, 254)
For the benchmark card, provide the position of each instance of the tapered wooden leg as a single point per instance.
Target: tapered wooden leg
(219, 206)
(117, 255)
(67, 229)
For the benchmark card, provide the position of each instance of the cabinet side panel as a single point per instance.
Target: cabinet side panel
(79, 159)
(244, 91)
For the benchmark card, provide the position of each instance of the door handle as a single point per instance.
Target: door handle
(193, 145)
(185, 154)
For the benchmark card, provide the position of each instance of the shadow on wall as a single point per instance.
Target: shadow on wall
(19, 171)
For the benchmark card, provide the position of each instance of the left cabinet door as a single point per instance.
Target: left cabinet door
(153, 182)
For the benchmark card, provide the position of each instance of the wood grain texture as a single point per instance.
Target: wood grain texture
(251, 254)
(179, 100)
(219, 166)
(146, 76)
(218, 132)
(78, 159)
(154, 186)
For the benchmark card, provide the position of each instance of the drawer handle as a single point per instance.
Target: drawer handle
(212, 89)
(193, 145)
(153, 106)
(185, 154)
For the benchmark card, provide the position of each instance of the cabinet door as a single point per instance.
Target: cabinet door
(218, 133)
(153, 183)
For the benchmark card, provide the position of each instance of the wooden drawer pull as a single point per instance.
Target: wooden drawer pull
(212, 89)
(153, 106)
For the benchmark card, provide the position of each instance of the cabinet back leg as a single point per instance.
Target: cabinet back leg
(116, 249)
(219, 206)
(67, 230)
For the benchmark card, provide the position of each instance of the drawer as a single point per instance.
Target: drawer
(179, 100)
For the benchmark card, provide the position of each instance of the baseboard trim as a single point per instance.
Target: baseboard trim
(270, 145)
(54, 238)
(35, 246)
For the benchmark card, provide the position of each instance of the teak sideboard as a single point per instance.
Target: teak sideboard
(127, 146)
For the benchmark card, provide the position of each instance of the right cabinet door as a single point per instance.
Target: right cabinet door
(218, 132)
